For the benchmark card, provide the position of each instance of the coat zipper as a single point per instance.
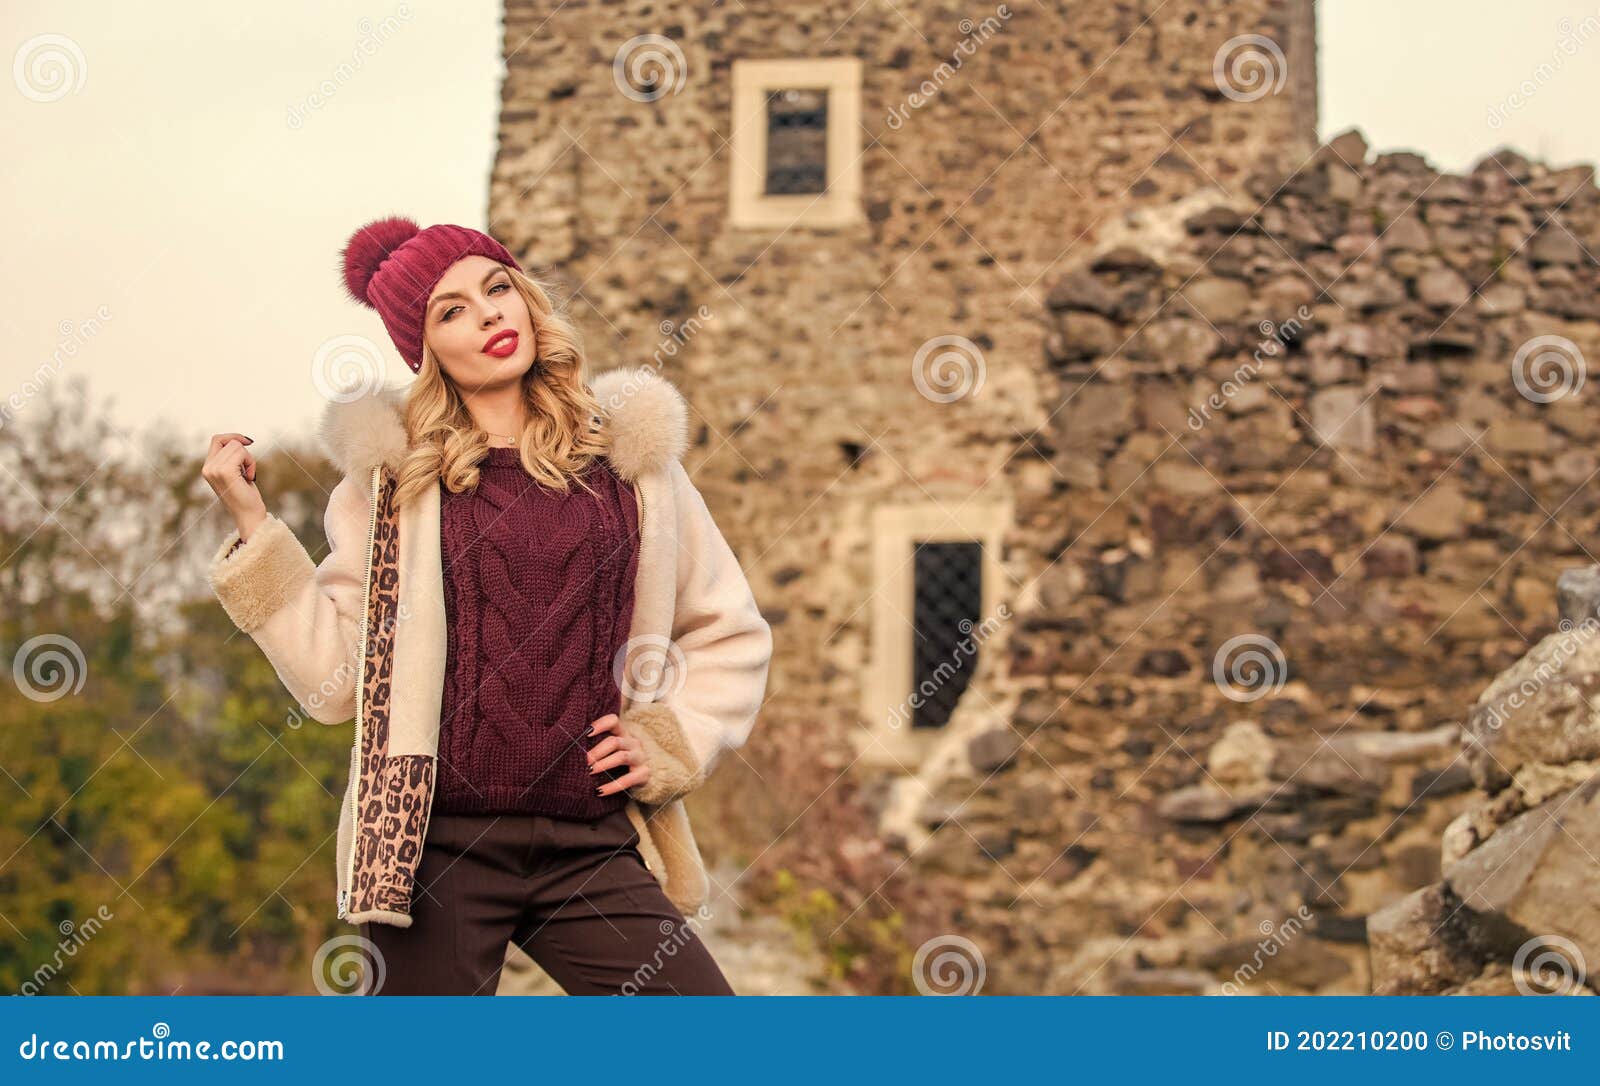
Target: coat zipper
(361, 682)
(638, 489)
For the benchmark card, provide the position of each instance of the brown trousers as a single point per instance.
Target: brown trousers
(576, 896)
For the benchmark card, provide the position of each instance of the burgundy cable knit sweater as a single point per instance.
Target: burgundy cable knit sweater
(538, 589)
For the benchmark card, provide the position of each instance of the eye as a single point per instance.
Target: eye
(450, 311)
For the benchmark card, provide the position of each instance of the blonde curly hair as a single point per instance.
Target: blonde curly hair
(563, 433)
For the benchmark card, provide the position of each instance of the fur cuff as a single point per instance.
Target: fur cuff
(674, 770)
(380, 916)
(262, 575)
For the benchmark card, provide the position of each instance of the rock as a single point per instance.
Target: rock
(1187, 478)
(1406, 162)
(1422, 945)
(1218, 300)
(1283, 956)
(1448, 437)
(1343, 416)
(1407, 234)
(1443, 741)
(1537, 871)
(1165, 982)
(1567, 181)
(1537, 782)
(1368, 340)
(1082, 291)
(1444, 782)
(993, 750)
(996, 843)
(1344, 185)
(1442, 288)
(1081, 335)
(1165, 662)
(1441, 512)
(1502, 300)
(1124, 258)
(1449, 189)
(1220, 218)
(1096, 412)
(1516, 436)
(1382, 291)
(1201, 803)
(1390, 556)
(1556, 245)
(1349, 146)
(935, 812)
(1541, 709)
(1320, 765)
(1243, 755)
(1502, 164)
(1460, 837)
(1179, 343)
(1569, 302)
(1578, 594)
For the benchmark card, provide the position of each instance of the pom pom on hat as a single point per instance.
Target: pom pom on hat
(370, 246)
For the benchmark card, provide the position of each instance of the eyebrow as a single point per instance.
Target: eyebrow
(458, 294)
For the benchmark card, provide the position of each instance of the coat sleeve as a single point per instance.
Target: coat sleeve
(716, 669)
(304, 617)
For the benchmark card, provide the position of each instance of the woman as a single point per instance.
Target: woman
(527, 610)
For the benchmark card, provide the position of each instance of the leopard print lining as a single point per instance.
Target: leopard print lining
(392, 793)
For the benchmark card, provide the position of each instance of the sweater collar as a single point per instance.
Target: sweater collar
(645, 419)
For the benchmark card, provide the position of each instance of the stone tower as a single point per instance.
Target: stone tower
(835, 227)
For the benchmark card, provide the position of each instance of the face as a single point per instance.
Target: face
(473, 307)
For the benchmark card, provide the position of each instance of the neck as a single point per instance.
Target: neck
(497, 411)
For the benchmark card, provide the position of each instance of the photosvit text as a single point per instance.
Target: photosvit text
(1415, 1040)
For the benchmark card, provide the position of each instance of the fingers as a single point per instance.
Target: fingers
(229, 464)
(638, 776)
(616, 749)
(219, 440)
(629, 756)
(611, 744)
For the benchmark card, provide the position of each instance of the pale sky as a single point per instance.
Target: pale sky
(173, 189)
(1429, 75)
(172, 192)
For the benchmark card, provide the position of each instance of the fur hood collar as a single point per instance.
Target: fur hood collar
(645, 419)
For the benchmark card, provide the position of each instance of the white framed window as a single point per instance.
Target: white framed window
(937, 617)
(796, 148)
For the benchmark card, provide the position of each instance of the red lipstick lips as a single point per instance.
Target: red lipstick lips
(501, 344)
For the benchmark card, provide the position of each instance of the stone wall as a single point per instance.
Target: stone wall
(1514, 912)
(1318, 455)
(796, 346)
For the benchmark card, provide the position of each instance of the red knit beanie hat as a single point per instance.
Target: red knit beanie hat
(392, 266)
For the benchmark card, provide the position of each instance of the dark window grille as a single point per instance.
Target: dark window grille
(797, 142)
(947, 588)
